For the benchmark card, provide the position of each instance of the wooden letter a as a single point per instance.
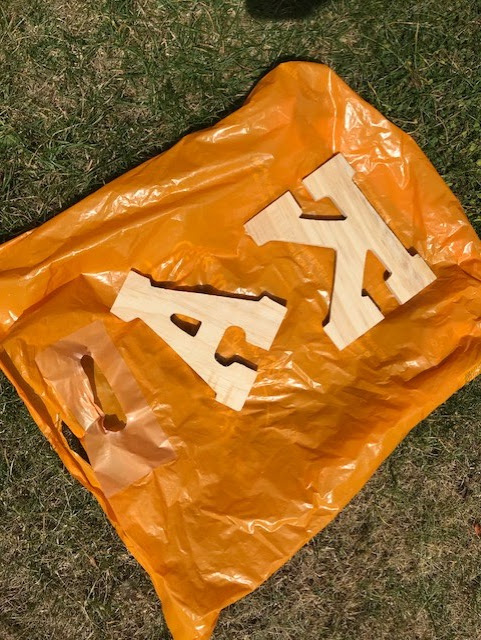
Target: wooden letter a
(158, 307)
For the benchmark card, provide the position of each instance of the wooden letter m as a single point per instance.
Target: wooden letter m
(362, 230)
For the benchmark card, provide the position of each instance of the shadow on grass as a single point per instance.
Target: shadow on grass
(282, 9)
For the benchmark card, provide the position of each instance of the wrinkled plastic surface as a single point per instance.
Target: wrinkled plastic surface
(244, 490)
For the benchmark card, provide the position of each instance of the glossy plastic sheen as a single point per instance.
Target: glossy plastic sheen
(245, 490)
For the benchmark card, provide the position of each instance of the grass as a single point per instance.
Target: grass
(91, 88)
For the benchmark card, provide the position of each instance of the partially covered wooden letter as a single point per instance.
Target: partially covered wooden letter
(158, 308)
(362, 229)
(119, 458)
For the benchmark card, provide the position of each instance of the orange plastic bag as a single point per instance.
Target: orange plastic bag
(212, 499)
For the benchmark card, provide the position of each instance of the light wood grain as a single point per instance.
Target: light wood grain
(260, 319)
(351, 314)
